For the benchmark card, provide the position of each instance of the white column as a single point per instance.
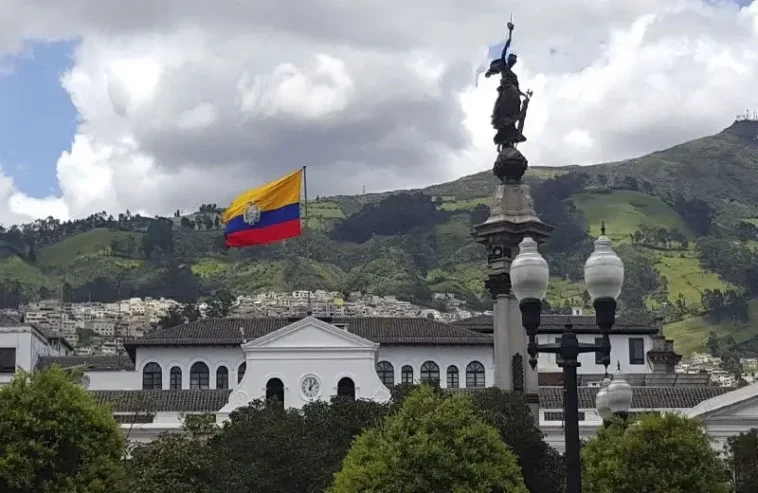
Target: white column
(502, 333)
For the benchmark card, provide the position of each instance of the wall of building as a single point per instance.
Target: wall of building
(19, 338)
(184, 357)
(415, 356)
(619, 354)
(29, 345)
(327, 366)
(232, 357)
(114, 380)
(443, 356)
(39, 347)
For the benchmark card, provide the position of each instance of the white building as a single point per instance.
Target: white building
(217, 365)
(22, 346)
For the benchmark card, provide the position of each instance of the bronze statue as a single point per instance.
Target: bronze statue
(509, 112)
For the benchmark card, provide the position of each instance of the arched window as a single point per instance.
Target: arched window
(152, 377)
(175, 380)
(275, 391)
(241, 371)
(474, 375)
(346, 388)
(386, 373)
(406, 374)
(452, 377)
(430, 372)
(222, 378)
(199, 376)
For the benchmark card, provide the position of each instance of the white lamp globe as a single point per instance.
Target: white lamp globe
(530, 273)
(601, 400)
(604, 271)
(619, 394)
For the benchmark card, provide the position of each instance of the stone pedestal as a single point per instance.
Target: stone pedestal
(661, 356)
(512, 217)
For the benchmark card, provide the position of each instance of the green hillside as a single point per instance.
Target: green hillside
(624, 211)
(691, 333)
(658, 209)
(721, 169)
(79, 247)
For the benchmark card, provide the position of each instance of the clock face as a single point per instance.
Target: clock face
(310, 387)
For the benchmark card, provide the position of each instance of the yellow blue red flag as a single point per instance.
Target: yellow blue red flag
(265, 215)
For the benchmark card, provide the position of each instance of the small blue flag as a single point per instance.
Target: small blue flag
(494, 53)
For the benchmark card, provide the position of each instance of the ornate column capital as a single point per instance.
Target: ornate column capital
(498, 284)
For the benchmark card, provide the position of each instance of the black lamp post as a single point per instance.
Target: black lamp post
(604, 277)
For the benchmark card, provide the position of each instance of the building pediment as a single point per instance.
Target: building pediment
(309, 333)
(742, 402)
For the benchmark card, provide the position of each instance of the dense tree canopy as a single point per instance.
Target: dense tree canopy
(431, 444)
(656, 454)
(541, 464)
(54, 438)
(174, 462)
(696, 212)
(395, 214)
(267, 449)
(553, 204)
(743, 459)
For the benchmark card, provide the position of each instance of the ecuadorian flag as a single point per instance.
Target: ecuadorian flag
(266, 214)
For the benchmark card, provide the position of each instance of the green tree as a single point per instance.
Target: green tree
(54, 438)
(743, 459)
(431, 444)
(220, 304)
(174, 462)
(657, 454)
(267, 449)
(541, 465)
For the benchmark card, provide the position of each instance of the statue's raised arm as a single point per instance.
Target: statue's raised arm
(500, 65)
(507, 41)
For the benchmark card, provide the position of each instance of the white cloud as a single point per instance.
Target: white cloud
(185, 102)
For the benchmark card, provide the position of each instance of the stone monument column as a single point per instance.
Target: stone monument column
(512, 217)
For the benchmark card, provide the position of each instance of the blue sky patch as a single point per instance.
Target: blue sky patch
(37, 119)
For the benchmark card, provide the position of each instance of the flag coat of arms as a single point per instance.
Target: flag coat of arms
(266, 214)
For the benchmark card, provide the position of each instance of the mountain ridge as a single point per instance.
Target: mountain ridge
(659, 208)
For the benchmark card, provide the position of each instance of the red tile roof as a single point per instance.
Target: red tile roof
(384, 330)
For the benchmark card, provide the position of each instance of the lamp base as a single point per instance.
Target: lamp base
(531, 308)
(605, 313)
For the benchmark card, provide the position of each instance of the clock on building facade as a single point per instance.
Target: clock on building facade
(310, 386)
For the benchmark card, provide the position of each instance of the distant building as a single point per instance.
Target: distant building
(217, 365)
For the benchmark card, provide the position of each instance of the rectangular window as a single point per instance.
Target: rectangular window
(558, 416)
(452, 379)
(406, 375)
(598, 355)
(636, 351)
(176, 380)
(8, 360)
(200, 380)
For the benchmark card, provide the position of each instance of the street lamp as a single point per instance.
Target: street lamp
(619, 396)
(614, 398)
(601, 401)
(604, 277)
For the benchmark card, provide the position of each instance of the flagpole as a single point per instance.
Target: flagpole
(307, 232)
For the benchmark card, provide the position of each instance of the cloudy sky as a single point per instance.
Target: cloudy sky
(158, 105)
